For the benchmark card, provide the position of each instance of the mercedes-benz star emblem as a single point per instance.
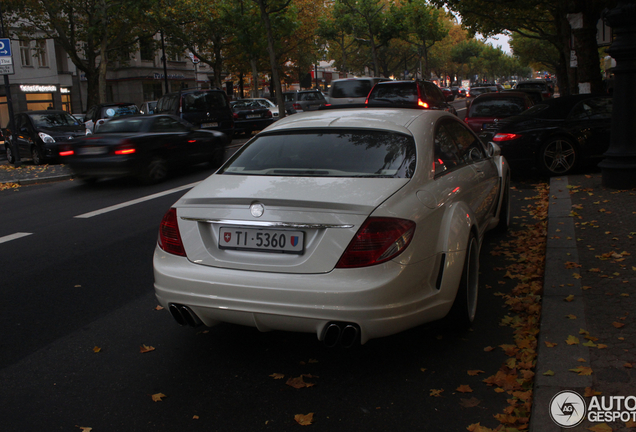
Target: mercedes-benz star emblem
(257, 210)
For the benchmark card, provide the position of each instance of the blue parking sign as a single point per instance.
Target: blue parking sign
(5, 47)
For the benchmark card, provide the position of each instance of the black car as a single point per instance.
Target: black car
(99, 114)
(42, 134)
(145, 146)
(408, 94)
(250, 116)
(557, 134)
(545, 86)
(206, 109)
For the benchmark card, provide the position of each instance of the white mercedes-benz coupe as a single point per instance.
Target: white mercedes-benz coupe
(351, 224)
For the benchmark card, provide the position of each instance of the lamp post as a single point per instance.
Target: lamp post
(619, 166)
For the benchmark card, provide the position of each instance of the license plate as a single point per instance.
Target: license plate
(96, 150)
(252, 116)
(262, 240)
(207, 125)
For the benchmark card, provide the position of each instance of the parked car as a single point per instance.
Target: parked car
(303, 100)
(458, 91)
(408, 94)
(352, 90)
(558, 134)
(80, 117)
(334, 223)
(473, 92)
(147, 108)
(144, 146)
(487, 109)
(205, 109)
(448, 94)
(265, 103)
(40, 135)
(535, 95)
(99, 114)
(539, 84)
(250, 116)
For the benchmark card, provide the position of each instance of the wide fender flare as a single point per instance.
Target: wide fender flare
(503, 168)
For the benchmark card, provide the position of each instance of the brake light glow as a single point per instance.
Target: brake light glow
(378, 240)
(169, 236)
(67, 153)
(125, 148)
(421, 103)
(125, 151)
(505, 137)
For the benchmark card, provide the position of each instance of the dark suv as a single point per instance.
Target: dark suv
(205, 109)
(303, 100)
(408, 94)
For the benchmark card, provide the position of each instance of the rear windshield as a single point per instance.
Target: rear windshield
(203, 101)
(351, 89)
(328, 154)
(118, 111)
(123, 125)
(498, 107)
(538, 86)
(479, 90)
(397, 93)
(54, 120)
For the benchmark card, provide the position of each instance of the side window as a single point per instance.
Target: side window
(593, 109)
(470, 148)
(445, 156)
(167, 124)
(433, 93)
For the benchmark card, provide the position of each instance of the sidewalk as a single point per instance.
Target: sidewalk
(28, 173)
(589, 294)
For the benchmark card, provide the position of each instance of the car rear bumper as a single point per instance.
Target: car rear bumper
(112, 166)
(382, 300)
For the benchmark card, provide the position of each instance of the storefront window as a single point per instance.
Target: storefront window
(39, 101)
(66, 103)
(4, 112)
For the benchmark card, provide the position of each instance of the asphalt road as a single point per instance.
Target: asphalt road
(79, 279)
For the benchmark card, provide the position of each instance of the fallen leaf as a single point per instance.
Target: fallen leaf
(628, 365)
(85, 429)
(549, 373)
(570, 316)
(488, 349)
(582, 370)
(298, 382)
(631, 424)
(589, 344)
(157, 397)
(572, 340)
(469, 403)
(475, 372)
(277, 375)
(195, 417)
(146, 348)
(159, 307)
(464, 388)
(550, 344)
(602, 346)
(436, 392)
(97, 349)
(569, 298)
(304, 419)
(618, 325)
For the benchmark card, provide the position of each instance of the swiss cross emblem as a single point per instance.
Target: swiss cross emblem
(227, 237)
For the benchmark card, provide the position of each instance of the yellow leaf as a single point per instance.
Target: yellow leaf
(576, 276)
(499, 390)
(550, 344)
(581, 360)
(157, 397)
(304, 419)
(146, 348)
(195, 417)
(298, 382)
(475, 372)
(277, 375)
(436, 392)
(582, 370)
(618, 325)
(572, 340)
(159, 307)
(488, 349)
(549, 373)
(464, 388)
(589, 344)
(97, 349)
(570, 316)
(602, 346)
(85, 429)
(569, 298)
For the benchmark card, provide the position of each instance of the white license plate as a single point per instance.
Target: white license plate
(264, 240)
(207, 125)
(252, 116)
(96, 150)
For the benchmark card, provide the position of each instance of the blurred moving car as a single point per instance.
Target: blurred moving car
(303, 100)
(250, 116)
(408, 94)
(558, 134)
(489, 108)
(349, 224)
(539, 84)
(265, 103)
(144, 146)
(41, 134)
(458, 91)
(448, 94)
(148, 108)
(352, 90)
(205, 109)
(99, 114)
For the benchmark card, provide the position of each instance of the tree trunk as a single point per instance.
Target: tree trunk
(254, 77)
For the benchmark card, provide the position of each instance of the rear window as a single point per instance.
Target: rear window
(310, 96)
(351, 89)
(203, 101)
(538, 86)
(479, 90)
(496, 107)
(119, 111)
(122, 125)
(397, 93)
(330, 154)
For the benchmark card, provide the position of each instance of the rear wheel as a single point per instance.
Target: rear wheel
(464, 308)
(8, 149)
(558, 156)
(156, 170)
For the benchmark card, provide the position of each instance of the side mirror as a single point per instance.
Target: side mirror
(493, 149)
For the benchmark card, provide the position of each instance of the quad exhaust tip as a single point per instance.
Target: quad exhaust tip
(183, 315)
(341, 334)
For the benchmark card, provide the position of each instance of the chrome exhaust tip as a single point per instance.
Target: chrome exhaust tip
(349, 336)
(183, 315)
(332, 335)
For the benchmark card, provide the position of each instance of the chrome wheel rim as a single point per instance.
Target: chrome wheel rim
(559, 156)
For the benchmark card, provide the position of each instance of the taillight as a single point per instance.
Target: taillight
(235, 116)
(378, 240)
(505, 137)
(125, 148)
(268, 114)
(169, 235)
(298, 107)
(421, 103)
(67, 153)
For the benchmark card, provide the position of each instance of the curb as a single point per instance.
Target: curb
(558, 283)
(24, 182)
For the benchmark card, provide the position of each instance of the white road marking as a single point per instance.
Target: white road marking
(136, 201)
(14, 237)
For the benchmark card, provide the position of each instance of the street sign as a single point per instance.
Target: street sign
(6, 60)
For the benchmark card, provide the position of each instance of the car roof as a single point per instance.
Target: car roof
(44, 112)
(392, 119)
(496, 95)
(561, 106)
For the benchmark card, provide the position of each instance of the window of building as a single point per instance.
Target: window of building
(42, 54)
(66, 103)
(152, 90)
(25, 53)
(147, 49)
(39, 101)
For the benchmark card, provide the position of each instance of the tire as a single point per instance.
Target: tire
(558, 156)
(155, 171)
(504, 211)
(463, 311)
(36, 155)
(8, 149)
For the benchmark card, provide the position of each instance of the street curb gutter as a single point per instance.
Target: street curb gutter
(559, 282)
(24, 182)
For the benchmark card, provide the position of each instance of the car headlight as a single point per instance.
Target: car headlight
(48, 139)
